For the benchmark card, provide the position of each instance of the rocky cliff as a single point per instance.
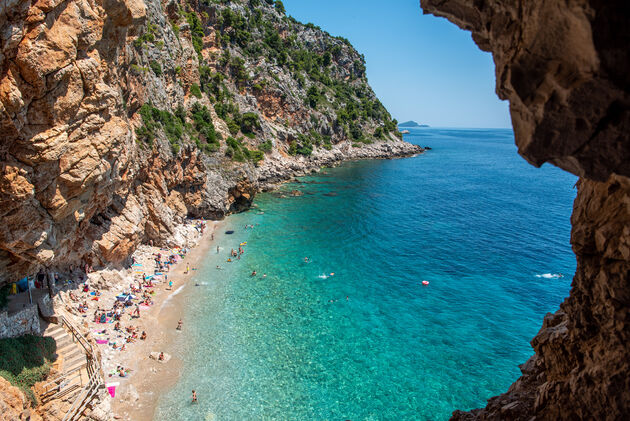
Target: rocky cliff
(564, 68)
(119, 118)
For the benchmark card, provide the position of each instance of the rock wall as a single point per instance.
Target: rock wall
(23, 322)
(105, 142)
(564, 68)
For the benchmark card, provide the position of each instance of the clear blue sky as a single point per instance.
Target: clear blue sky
(421, 67)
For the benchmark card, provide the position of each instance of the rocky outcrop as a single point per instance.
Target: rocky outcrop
(119, 118)
(14, 405)
(564, 69)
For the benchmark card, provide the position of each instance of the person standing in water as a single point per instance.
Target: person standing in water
(194, 397)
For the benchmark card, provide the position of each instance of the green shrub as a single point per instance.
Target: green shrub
(266, 146)
(203, 123)
(378, 133)
(313, 96)
(280, 7)
(256, 156)
(26, 360)
(194, 90)
(196, 32)
(156, 67)
(249, 122)
(147, 36)
(138, 70)
(154, 119)
(292, 148)
(233, 126)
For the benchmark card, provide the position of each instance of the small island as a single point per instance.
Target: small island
(412, 123)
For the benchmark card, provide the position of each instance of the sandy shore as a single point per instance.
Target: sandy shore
(137, 396)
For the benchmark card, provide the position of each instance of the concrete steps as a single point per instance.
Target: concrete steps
(71, 353)
(73, 374)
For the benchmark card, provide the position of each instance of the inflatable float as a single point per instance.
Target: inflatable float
(425, 283)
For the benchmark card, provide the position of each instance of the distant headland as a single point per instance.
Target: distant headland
(412, 123)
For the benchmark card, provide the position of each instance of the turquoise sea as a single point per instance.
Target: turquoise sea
(487, 230)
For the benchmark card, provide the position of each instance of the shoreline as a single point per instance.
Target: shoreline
(137, 394)
(137, 400)
(137, 397)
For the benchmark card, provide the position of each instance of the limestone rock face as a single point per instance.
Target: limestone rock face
(87, 173)
(14, 405)
(564, 69)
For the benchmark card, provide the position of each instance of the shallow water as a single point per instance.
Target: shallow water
(489, 232)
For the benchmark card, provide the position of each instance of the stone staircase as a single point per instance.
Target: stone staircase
(73, 375)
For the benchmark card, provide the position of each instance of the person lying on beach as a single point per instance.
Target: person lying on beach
(117, 326)
(143, 336)
(73, 297)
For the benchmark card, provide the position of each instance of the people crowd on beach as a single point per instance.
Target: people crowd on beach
(125, 311)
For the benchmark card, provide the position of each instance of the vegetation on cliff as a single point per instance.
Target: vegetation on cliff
(26, 360)
(261, 72)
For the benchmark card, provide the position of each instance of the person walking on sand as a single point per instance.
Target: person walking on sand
(187, 268)
(194, 397)
(179, 325)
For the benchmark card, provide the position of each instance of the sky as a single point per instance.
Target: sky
(421, 67)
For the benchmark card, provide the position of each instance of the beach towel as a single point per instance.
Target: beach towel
(111, 388)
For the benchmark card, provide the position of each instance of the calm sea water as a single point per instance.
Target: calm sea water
(489, 232)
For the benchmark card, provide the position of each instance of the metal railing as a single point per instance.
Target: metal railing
(93, 367)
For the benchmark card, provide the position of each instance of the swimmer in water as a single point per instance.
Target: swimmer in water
(254, 273)
(306, 259)
(264, 275)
